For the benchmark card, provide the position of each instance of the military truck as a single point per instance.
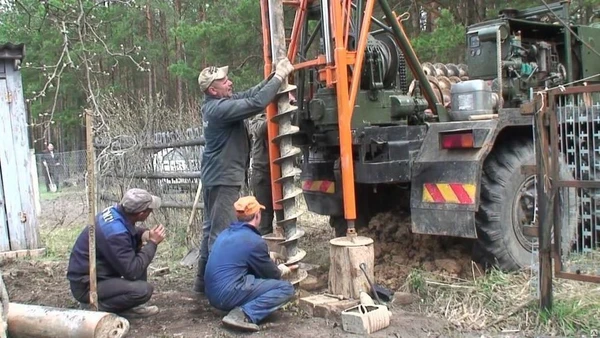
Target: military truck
(455, 145)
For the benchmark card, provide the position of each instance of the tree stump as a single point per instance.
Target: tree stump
(345, 276)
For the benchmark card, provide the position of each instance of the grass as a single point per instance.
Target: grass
(49, 196)
(59, 241)
(506, 302)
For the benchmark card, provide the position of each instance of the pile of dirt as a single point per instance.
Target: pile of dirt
(398, 251)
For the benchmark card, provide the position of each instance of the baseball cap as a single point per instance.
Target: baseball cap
(247, 206)
(137, 200)
(209, 74)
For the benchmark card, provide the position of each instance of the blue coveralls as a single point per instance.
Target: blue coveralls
(240, 272)
(121, 263)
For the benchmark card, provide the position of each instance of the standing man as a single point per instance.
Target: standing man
(51, 165)
(122, 259)
(260, 181)
(227, 149)
(241, 276)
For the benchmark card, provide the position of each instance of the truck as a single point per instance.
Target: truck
(453, 144)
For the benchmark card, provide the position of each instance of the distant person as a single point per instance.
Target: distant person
(122, 259)
(241, 276)
(51, 166)
(226, 154)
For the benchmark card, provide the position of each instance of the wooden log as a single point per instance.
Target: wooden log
(26, 321)
(4, 301)
(345, 276)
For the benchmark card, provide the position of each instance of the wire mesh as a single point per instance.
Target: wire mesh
(577, 204)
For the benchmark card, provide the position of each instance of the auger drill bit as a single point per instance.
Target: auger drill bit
(287, 151)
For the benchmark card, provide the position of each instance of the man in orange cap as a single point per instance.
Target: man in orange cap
(240, 275)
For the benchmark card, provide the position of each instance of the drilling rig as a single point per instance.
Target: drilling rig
(374, 130)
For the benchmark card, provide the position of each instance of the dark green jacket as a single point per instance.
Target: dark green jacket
(260, 147)
(227, 149)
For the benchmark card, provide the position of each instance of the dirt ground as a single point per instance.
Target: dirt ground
(43, 281)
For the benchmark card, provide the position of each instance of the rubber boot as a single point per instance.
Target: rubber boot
(199, 282)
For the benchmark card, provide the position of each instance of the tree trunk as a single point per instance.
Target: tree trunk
(178, 57)
(42, 321)
(149, 18)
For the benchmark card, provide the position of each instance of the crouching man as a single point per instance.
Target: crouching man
(122, 259)
(240, 275)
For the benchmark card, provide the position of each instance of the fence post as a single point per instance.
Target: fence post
(91, 189)
(35, 183)
(544, 206)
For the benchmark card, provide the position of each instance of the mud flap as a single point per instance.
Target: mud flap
(322, 189)
(446, 183)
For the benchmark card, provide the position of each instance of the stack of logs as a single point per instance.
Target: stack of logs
(442, 77)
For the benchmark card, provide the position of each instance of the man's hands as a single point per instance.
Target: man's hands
(157, 234)
(276, 257)
(286, 270)
(283, 69)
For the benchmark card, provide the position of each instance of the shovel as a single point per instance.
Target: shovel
(52, 185)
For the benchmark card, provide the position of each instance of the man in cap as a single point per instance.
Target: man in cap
(260, 180)
(241, 276)
(227, 149)
(122, 259)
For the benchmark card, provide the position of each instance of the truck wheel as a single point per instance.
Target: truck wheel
(507, 204)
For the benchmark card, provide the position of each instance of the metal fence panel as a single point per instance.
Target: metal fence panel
(575, 173)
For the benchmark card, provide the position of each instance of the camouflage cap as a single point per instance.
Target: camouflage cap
(209, 74)
(137, 200)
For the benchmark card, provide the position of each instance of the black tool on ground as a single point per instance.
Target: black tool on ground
(363, 267)
(383, 293)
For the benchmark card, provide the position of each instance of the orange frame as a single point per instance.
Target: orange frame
(335, 75)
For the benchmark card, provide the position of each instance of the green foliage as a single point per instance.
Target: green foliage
(572, 316)
(445, 44)
(416, 281)
(143, 47)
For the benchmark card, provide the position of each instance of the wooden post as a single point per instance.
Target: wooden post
(35, 183)
(544, 212)
(91, 188)
(345, 276)
(45, 322)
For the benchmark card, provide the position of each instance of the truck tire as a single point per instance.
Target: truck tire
(508, 201)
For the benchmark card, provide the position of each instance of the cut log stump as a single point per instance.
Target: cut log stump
(27, 321)
(345, 276)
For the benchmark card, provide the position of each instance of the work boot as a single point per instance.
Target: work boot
(238, 319)
(199, 285)
(84, 306)
(140, 311)
(199, 282)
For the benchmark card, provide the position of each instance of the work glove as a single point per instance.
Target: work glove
(284, 269)
(276, 257)
(283, 69)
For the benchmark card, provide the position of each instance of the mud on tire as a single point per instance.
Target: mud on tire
(501, 214)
